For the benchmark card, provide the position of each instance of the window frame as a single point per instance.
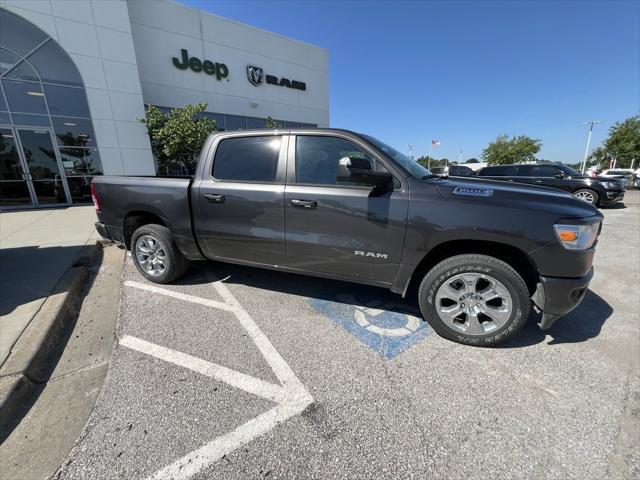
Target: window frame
(280, 166)
(398, 181)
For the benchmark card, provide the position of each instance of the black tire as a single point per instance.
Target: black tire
(587, 195)
(484, 269)
(175, 264)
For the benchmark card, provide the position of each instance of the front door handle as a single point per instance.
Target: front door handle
(214, 197)
(304, 203)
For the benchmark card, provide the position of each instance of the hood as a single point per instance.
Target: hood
(517, 195)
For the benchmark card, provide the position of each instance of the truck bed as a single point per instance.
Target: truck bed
(166, 198)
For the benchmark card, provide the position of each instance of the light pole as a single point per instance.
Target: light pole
(411, 150)
(586, 152)
(460, 156)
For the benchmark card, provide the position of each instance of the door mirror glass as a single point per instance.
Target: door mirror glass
(559, 176)
(358, 170)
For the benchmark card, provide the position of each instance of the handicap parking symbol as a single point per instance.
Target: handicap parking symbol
(383, 326)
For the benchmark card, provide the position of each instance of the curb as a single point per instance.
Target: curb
(28, 366)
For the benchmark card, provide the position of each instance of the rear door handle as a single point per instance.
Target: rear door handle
(214, 197)
(304, 203)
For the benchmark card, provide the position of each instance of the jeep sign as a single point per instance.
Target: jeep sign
(220, 70)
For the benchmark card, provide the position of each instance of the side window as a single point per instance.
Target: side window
(317, 159)
(525, 171)
(545, 171)
(247, 159)
(501, 171)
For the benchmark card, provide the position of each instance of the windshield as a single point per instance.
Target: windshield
(414, 168)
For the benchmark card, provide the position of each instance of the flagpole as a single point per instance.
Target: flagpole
(429, 156)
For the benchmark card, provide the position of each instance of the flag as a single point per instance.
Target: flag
(435, 143)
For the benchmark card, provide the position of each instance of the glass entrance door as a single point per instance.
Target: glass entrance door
(43, 170)
(14, 188)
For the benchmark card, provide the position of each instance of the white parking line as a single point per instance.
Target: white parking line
(292, 397)
(239, 380)
(181, 296)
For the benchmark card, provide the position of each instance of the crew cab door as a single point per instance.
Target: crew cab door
(341, 229)
(238, 199)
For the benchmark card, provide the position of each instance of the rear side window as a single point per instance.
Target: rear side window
(498, 171)
(247, 159)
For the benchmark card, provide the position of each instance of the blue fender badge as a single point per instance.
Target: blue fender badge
(473, 191)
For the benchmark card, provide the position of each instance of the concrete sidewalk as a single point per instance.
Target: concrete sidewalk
(36, 248)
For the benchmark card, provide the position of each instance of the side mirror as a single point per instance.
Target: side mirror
(358, 170)
(559, 176)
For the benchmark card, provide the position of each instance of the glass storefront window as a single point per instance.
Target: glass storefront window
(7, 60)
(23, 71)
(9, 159)
(73, 132)
(81, 161)
(31, 120)
(24, 97)
(46, 165)
(235, 122)
(66, 101)
(18, 35)
(80, 189)
(54, 66)
(256, 122)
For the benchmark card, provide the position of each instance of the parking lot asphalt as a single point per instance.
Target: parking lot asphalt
(240, 373)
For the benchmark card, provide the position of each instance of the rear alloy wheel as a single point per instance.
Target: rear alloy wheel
(474, 299)
(587, 195)
(155, 254)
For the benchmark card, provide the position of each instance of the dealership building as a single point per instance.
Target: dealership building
(76, 76)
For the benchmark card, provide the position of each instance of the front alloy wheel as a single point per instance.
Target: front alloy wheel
(474, 303)
(474, 299)
(586, 195)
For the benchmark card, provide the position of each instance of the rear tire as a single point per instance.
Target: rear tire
(587, 195)
(474, 299)
(156, 255)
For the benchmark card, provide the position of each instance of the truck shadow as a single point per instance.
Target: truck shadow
(580, 325)
(584, 323)
(301, 285)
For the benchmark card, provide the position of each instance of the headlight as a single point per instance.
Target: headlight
(577, 237)
(611, 184)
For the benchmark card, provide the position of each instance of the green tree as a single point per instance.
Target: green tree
(623, 144)
(472, 160)
(505, 150)
(177, 137)
(271, 123)
(424, 161)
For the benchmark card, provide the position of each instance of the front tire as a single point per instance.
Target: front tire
(474, 299)
(156, 255)
(587, 195)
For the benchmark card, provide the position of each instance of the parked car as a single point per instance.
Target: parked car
(625, 175)
(453, 170)
(345, 206)
(596, 191)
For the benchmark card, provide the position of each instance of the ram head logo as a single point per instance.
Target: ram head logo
(255, 75)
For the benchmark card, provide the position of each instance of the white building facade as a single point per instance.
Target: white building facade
(76, 76)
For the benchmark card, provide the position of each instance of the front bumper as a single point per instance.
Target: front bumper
(556, 297)
(612, 196)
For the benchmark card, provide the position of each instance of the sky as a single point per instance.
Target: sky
(464, 72)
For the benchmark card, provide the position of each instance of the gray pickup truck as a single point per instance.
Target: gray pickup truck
(341, 205)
